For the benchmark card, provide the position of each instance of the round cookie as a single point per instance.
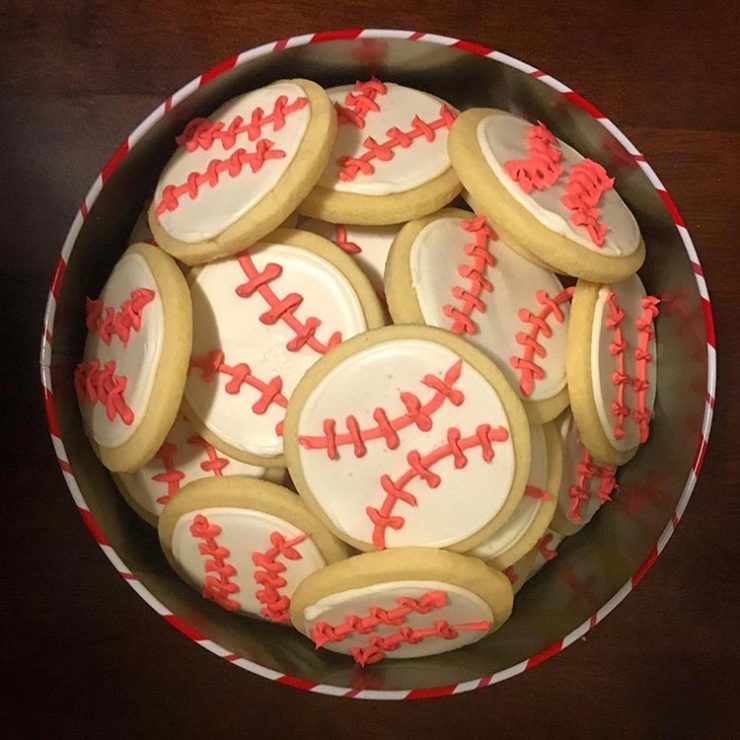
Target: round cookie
(542, 195)
(532, 517)
(407, 603)
(245, 544)
(389, 162)
(452, 271)
(408, 436)
(130, 381)
(585, 486)
(184, 457)
(238, 174)
(611, 366)
(260, 320)
(518, 572)
(368, 245)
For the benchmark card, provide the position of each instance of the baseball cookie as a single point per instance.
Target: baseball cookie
(544, 551)
(389, 162)
(518, 572)
(368, 245)
(238, 174)
(129, 384)
(611, 366)
(408, 436)
(585, 486)
(451, 270)
(245, 544)
(260, 320)
(403, 604)
(535, 511)
(184, 457)
(542, 195)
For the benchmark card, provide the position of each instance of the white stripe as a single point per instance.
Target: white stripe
(45, 377)
(461, 688)
(552, 82)
(145, 125)
(617, 134)
(702, 285)
(690, 248)
(650, 172)
(59, 448)
(145, 594)
(711, 382)
(512, 61)
(74, 489)
(215, 648)
(577, 633)
(90, 199)
(686, 494)
(614, 601)
(323, 688)
(45, 354)
(379, 33)
(389, 695)
(708, 414)
(663, 539)
(258, 51)
(184, 91)
(301, 40)
(514, 670)
(49, 314)
(444, 40)
(118, 564)
(260, 670)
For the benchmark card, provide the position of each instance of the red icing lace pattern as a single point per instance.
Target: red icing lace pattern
(587, 470)
(541, 169)
(283, 309)
(219, 587)
(240, 375)
(421, 467)
(100, 384)
(108, 323)
(529, 370)
(377, 647)
(340, 239)
(275, 606)
(351, 167)
(542, 547)
(386, 428)
(587, 182)
(620, 378)
(202, 133)
(359, 102)
(475, 273)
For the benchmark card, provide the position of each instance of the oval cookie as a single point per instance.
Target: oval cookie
(130, 381)
(452, 271)
(406, 603)
(261, 319)
(245, 544)
(408, 436)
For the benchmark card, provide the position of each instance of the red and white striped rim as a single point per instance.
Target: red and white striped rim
(79, 499)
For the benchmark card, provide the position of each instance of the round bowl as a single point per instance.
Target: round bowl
(596, 568)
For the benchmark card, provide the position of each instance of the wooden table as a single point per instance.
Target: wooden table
(84, 656)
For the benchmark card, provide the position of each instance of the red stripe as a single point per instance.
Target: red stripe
(114, 161)
(186, 629)
(543, 655)
(64, 465)
(51, 412)
(168, 105)
(351, 694)
(219, 69)
(649, 560)
(593, 621)
(92, 525)
(416, 35)
(710, 400)
(231, 657)
(484, 682)
(83, 209)
(638, 157)
(700, 455)
(47, 334)
(279, 45)
(697, 268)
(674, 519)
(470, 46)
(709, 321)
(671, 206)
(537, 73)
(429, 693)
(350, 33)
(583, 103)
(297, 683)
(56, 280)
(129, 576)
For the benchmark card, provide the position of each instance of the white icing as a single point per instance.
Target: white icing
(374, 241)
(629, 293)
(539, 560)
(436, 255)
(466, 498)
(137, 362)
(244, 532)
(524, 515)
(188, 457)
(502, 136)
(226, 321)
(216, 208)
(462, 607)
(409, 167)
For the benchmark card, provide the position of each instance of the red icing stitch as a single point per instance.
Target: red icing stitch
(420, 467)
(283, 309)
(383, 152)
(359, 102)
(387, 429)
(109, 323)
(541, 170)
(98, 384)
(539, 493)
(482, 259)
(542, 548)
(202, 133)
(171, 476)
(340, 239)
(529, 370)
(275, 606)
(640, 383)
(511, 574)
(231, 166)
(587, 182)
(214, 464)
(587, 470)
(217, 588)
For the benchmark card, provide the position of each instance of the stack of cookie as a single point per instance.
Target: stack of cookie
(376, 426)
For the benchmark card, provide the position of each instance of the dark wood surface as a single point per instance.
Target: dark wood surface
(82, 654)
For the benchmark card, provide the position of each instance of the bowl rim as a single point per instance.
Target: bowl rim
(79, 500)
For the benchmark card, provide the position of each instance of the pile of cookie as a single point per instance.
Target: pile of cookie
(376, 426)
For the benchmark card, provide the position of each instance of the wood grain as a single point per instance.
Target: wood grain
(84, 656)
